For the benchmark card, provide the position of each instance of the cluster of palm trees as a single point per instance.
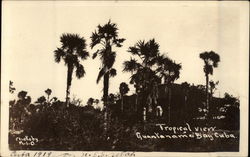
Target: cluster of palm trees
(148, 70)
(148, 66)
(73, 50)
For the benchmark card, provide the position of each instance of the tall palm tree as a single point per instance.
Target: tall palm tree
(143, 72)
(169, 71)
(106, 37)
(123, 90)
(73, 50)
(211, 60)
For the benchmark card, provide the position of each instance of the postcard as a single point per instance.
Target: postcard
(124, 78)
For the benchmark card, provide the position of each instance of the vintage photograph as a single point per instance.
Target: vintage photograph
(125, 76)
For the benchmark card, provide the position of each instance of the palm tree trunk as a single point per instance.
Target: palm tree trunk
(169, 104)
(69, 79)
(169, 99)
(136, 102)
(122, 103)
(207, 96)
(48, 98)
(105, 91)
(185, 108)
(105, 100)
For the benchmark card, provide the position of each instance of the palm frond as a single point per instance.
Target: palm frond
(133, 50)
(72, 41)
(152, 61)
(215, 58)
(95, 54)
(83, 54)
(204, 55)
(95, 39)
(80, 72)
(153, 47)
(118, 42)
(58, 54)
(131, 65)
(142, 47)
(148, 49)
(101, 74)
(163, 60)
(136, 79)
(112, 72)
(109, 30)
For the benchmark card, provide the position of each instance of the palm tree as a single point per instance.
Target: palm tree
(123, 90)
(106, 36)
(144, 76)
(185, 87)
(41, 100)
(169, 71)
(48, 92)
(73, 50)
(211, 60)
(212, 88)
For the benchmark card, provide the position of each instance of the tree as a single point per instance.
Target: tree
(90, 102)
(185, 87)
(18, 110)
(48, 92)
(232, 115)
(144, 76)
(211, 60)
(41, 100)
(167, 69)
(22, 95)
(106, 36)
(11, 87)
(73, 50)
(212, 86)
(123, 90)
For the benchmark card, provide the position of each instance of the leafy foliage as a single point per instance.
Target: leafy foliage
(123, 88)
(82, 127)
(11, 87)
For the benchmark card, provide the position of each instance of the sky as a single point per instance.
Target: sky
(32, 30)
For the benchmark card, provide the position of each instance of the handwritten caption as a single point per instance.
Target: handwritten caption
(73, 154)
(185, 132)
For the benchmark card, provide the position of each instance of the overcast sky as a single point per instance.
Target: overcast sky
(32, 30)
